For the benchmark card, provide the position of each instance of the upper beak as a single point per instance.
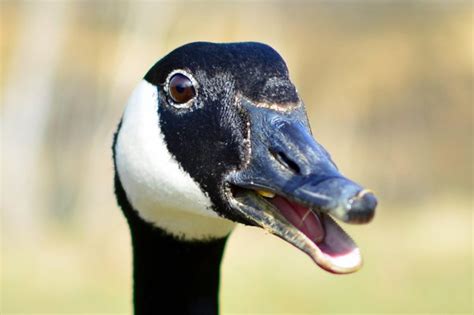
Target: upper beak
(287, 162)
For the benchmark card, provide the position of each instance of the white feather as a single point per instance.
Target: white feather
(155, 184)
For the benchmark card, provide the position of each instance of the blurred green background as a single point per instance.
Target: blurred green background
(388, 88)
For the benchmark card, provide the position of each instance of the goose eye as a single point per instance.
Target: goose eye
(181, 88)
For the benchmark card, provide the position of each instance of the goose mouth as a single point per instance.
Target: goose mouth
(290, 187)
(309, 228)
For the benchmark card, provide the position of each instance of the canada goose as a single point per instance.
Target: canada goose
(214, 135)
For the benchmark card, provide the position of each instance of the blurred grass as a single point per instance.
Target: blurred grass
(413, 264)
(417, 260)
(388, 88)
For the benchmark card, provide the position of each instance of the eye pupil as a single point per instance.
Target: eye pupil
(181, 88)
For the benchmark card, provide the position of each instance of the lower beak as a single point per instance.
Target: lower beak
(291, 188)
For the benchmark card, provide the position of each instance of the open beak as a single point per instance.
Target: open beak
(291, 188)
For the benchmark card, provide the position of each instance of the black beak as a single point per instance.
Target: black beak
(286, 161)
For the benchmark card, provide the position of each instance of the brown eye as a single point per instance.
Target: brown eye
(181, 88)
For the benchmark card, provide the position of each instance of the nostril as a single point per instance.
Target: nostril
(286, 161)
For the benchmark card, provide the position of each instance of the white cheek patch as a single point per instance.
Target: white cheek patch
(155, 184)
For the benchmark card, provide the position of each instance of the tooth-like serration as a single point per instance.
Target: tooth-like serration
(265, 193)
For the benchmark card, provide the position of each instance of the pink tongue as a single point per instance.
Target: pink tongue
(303, 218)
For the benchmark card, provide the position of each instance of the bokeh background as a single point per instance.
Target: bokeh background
(388, 87)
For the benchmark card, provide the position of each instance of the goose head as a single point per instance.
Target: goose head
(216, 134)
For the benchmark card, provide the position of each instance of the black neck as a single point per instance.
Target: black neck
(175, 277)
(171, 276)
